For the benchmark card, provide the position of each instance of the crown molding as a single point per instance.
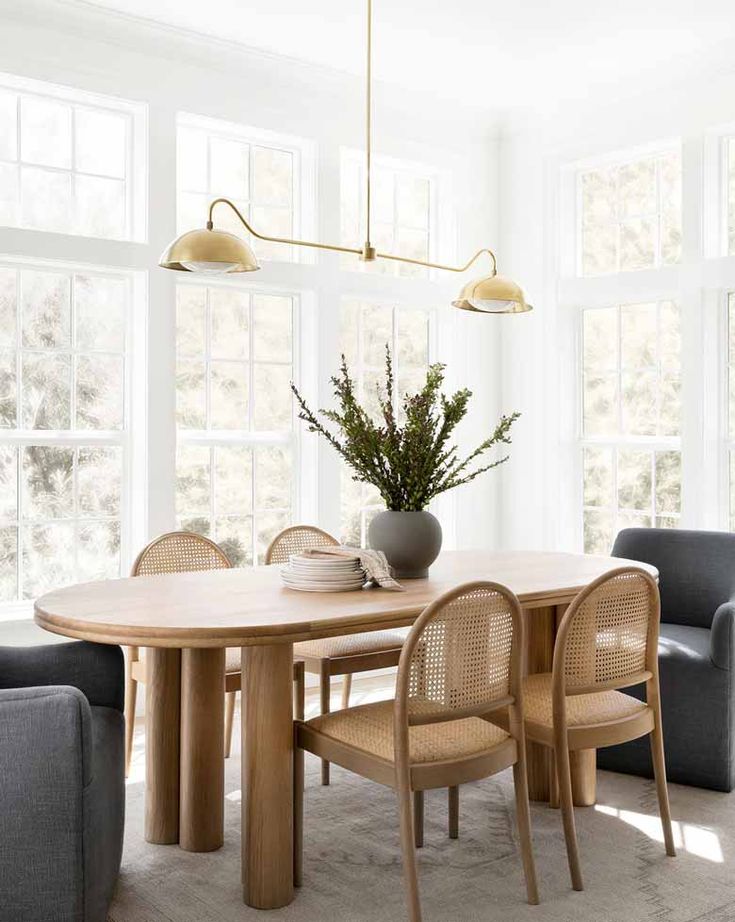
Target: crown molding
(160, 40)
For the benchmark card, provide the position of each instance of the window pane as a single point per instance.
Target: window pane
(272, 176)
(45, 309)
(8, 482)
(193, 488)
(8, 125)
(8, 390)
(45, 200)
(9, 193)
(99, 312)
(601, 339)
(47, 563)
(600, 405)
(8, 564)
(412, 338)
(192, 158)
(229, 389)
(377, 333)
(638, 335)
(269, 525)
(233, 480)
(100, 207)
(99, 481)
(630, 215)
(272, 403)
(412, 201)
(230, 319)
(47, 482)
(45, 132)
(234, 534)
(46, 389)
(272, 319)
(634, 480)
(598, 477)
(191, 320)
(229, 167)
(668, 482)
(100, 142)
(99, 392)
(191, 396)
(98, 555)
(598, 531)
(273, 478)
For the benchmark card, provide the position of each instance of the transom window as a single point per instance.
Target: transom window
(402, 212)
(365, 330)
(66, 161)
(258, 171)
(235, 361)
(631, 411)
(63, 425)
(630, 214)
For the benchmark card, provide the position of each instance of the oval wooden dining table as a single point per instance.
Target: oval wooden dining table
(186, 620)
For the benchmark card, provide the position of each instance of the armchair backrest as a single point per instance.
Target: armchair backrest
(696, 569)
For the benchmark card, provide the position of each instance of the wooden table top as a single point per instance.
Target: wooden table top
(242, 607)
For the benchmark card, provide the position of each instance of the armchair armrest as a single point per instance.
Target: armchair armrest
(722, 639)
(45, 766)
(97, 670)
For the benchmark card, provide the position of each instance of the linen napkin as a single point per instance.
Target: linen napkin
(374, 563)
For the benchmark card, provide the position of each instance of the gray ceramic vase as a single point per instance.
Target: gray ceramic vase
(410, 540)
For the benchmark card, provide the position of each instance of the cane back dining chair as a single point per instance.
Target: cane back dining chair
(461, 661)
(334, 656)
(186, 552)
(607, 640)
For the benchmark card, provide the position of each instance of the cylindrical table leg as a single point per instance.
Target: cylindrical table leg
(583, 763)
(267, 776)
(202, 748)
(162, 702)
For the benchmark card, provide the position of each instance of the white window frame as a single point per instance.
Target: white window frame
(253, 438)
(136, 187)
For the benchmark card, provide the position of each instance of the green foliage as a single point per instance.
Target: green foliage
(410, 464)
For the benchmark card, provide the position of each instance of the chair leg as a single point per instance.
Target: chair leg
(325, 690)
(229, 717)
(564, 775)
(408, 852)
(346, 689)
(453, 797)
(553, 783)
(659, 771)
(523, 813)
(418, 819)
(131, 694)
(298, 815)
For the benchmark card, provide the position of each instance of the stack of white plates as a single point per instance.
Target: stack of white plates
(323, 574)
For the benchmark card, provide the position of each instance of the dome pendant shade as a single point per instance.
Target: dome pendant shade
(213, 252)
(492, 295)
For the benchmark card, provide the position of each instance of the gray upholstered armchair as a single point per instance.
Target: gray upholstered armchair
(696, 656)
(62, 789)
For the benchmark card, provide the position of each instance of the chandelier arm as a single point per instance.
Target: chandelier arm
(428, 265)
(287, 240)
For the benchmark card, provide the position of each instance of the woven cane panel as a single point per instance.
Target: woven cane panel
(296, 540)
(369, 727)
(582, 710)
(463, 657)
(352, 644)
(607, 638)
(181, 552)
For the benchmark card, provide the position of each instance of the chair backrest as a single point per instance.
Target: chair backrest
(179, 552)
(696, 569)
(608, 637)
(462, 657)
(296, 539)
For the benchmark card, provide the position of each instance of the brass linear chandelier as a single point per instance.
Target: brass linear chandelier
(214, 251)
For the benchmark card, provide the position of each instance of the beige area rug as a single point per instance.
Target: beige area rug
(353, 872)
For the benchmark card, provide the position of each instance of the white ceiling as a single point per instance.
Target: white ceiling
(496, 55)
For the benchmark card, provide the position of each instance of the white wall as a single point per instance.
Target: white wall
(537, 489)
(73, 44)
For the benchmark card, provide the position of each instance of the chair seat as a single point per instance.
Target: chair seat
(582, 710)
(369, 728)
(352, 644)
